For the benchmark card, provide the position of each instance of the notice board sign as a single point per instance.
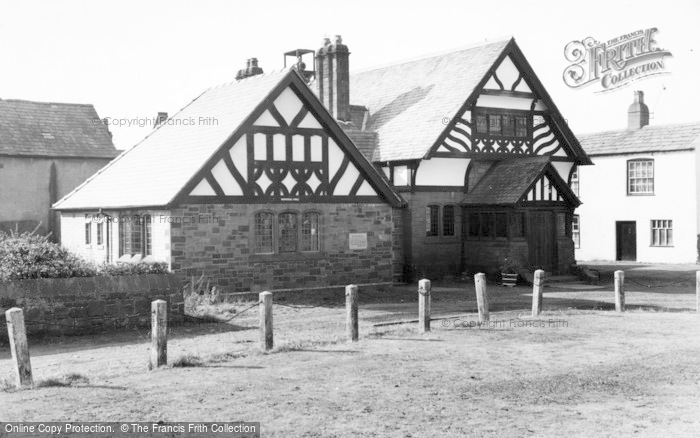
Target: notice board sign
(357, 240)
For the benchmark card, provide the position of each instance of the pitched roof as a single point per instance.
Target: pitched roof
(53, 130)
(508, 181)
(153, 172)
(408, 101)
(664, 138)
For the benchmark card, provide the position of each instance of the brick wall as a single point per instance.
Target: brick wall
(222, 249)
(433, 256)
(488, 255)
(65, 306)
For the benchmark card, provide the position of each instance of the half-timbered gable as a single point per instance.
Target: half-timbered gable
(288, 153)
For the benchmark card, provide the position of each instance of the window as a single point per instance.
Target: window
(662, 233)
(501, 125)
(288, 233)
(100, 239)
(448, 220)
(576, 231)
(488, 225)
(640, 177)
(574, 180)
(88, 233)
(309, 232)
(431, 220)
(135, 235)
(263, 233)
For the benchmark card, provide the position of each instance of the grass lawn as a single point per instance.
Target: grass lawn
(580, 369)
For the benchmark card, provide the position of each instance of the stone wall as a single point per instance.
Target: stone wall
(67, 306)
(223, 248)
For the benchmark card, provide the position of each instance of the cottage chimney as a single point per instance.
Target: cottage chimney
(638, 113)
(251, 69)
(333, 77)
(160, 118)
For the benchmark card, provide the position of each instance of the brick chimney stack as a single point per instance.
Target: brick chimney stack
(333, 77)
(638, 113)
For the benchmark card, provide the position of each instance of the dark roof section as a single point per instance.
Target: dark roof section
(365, 141)
(53, 130)
(664, 138)
(508, 181)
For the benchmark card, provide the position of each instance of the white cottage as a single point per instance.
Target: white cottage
(640, 200)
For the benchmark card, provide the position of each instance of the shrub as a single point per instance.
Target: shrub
(28, 255)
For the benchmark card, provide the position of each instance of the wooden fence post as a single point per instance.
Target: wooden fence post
(697, 291)
(620, 291)
(537, 290)
(351, 312)
(424, 288)
(159, 333)
(482, 299)
(19, 346)
(266, 340)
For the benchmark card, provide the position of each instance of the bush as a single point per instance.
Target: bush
(28, 255)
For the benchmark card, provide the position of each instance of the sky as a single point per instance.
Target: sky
(132, 59)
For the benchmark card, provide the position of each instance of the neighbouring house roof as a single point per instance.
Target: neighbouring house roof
(408, 101)
(48, 129)
(507, 182)
(155, 171)
(663, 138)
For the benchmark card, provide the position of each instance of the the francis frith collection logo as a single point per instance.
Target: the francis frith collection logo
(614, 63)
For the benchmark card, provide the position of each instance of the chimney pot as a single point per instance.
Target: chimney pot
(251, 69)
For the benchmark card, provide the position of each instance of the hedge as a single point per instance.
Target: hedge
(28, 255)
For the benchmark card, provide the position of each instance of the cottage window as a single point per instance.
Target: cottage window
(640, 177)
(474, 225)
(661, 233)
(135, 235)
(448, 220)
(517, 225)
(288, 232)
(489, 225)
(431, 220)
(309, 232)
(500, 225)
(264, 233)
(576, 231)
(574, 181)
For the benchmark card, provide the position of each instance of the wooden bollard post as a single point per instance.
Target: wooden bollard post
(537, 290)
(697, 291)
(266, 340)
(620, 291)
(482, 299)
(424, 288)
(19, 346)
(351, 312)
(159, 333)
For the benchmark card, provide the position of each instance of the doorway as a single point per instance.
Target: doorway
(626, 232)
(541, 240)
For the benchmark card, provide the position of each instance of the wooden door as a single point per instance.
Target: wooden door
(626, 232)
(541, 240)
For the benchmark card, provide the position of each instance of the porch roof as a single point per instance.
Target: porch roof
(507, 182)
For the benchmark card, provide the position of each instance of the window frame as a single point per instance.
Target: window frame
(432, 220)
(139, 229)
(628, 178)
(574, 180)
(514, 115)
(276, 233)
(449, 231)
(491, 225)
(576, 230)
(664, 228)
(88, 233)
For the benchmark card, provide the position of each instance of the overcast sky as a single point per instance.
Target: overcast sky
(132, 59)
